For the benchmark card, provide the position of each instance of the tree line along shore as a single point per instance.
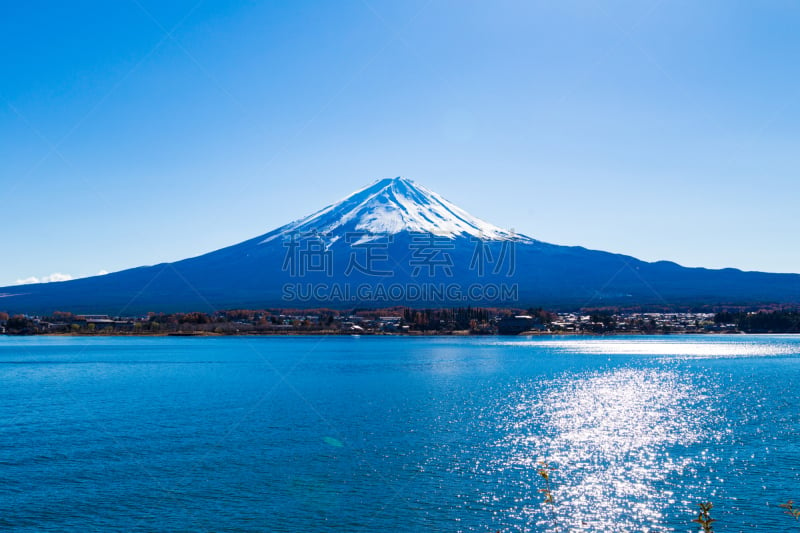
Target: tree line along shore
(408, 321)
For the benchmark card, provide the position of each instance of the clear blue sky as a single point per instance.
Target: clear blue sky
(140, 131)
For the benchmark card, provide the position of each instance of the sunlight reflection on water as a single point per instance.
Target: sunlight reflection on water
(748, 347)
(607, 435)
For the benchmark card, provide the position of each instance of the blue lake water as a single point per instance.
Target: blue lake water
(398, 433)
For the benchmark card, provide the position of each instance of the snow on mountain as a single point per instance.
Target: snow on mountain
(391, 206)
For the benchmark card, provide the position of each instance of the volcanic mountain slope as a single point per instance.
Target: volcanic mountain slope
(392, 206)
(398, 243)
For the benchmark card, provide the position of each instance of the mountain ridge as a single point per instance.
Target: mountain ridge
(413, 238)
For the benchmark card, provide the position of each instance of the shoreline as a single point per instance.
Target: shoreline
(386, 334)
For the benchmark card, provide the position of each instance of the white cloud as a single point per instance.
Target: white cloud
(102, 272)
(55, 276)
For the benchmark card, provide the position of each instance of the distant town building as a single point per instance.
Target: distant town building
(514, 325)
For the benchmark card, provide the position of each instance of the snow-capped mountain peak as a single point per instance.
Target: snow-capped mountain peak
(391, 206)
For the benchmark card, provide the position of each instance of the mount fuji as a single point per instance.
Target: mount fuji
(397, 243)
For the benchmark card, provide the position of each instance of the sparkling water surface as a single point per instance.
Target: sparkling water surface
(398, 433)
